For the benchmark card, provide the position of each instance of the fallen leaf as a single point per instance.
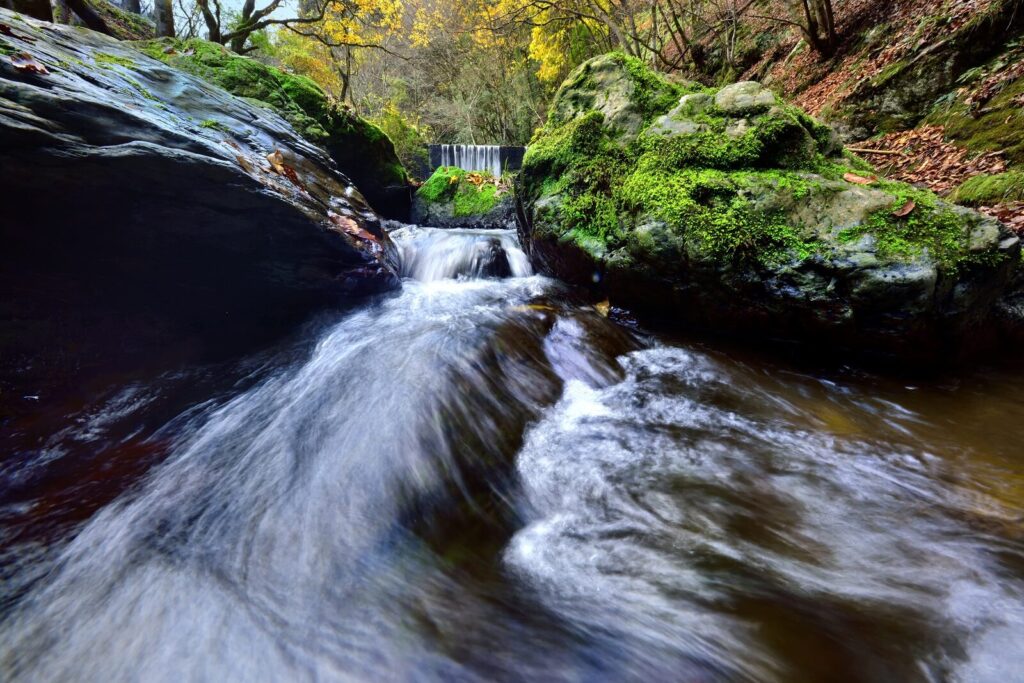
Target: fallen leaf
(276, 160)
(23, 61)
(351, 227)
(244, 163)
(905, 209)
(170, 51)
(859, 180)
(603, 307)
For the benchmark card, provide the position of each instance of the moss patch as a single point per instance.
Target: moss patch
(106, 61)
(213, 124)
(997, 126)
(930, 226)
(985, 189)
(450, 184)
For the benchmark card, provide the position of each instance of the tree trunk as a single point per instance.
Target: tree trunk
(212, 21)
(163, 16)
(89, 16)
(238, 42)
(37, 9)
(61, 12)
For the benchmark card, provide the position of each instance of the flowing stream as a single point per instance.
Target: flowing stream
(476, 479)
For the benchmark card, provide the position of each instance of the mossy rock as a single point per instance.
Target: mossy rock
(448, 199)
(990, 189)
(731, 209)
(362, 151)
(995, 127)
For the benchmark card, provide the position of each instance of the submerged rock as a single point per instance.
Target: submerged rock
(735, 211)
(145, 205)
(361, 150)
(448, 199)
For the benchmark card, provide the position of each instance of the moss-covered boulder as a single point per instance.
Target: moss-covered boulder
(733, 210)
(362, 151)
(454, 198)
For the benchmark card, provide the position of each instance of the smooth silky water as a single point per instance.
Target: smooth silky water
(473, 479)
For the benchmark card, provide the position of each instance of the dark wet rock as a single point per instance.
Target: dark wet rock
(490, 260)
(733, 211)
(501, 216)
(362, 151)
(147, 208)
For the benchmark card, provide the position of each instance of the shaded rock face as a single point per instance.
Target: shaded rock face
(502, 216)
(730, 210)
(362, 151)
(148, 209)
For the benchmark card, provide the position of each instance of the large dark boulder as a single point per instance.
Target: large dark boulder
(147, 209)
(730, 210)
(361, 150)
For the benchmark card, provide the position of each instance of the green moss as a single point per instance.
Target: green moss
(449, 184)
(995, 128)
(441, 185)
(6, 49)
(471, 200)
(985, 189)
(213, 124)
(124, 25)
(106, 61)
(140, 89)
(653, 94)
(724, 197)
(939, 230)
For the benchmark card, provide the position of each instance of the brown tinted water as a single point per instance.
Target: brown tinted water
(475, 480)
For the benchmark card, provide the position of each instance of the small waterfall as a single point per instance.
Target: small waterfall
(430, 254)
(473, 157)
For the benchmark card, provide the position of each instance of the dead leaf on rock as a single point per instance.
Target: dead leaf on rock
(244, 163)
(351, 227)
(603, 307)
(277, 164)
(23, 61)
(905, 209)
(858, 180)
(276, 160)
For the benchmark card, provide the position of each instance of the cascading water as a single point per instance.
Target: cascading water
(473, 158)
(472, 481)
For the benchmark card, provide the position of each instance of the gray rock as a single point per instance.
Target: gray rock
(745, 97)
(442, 215)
